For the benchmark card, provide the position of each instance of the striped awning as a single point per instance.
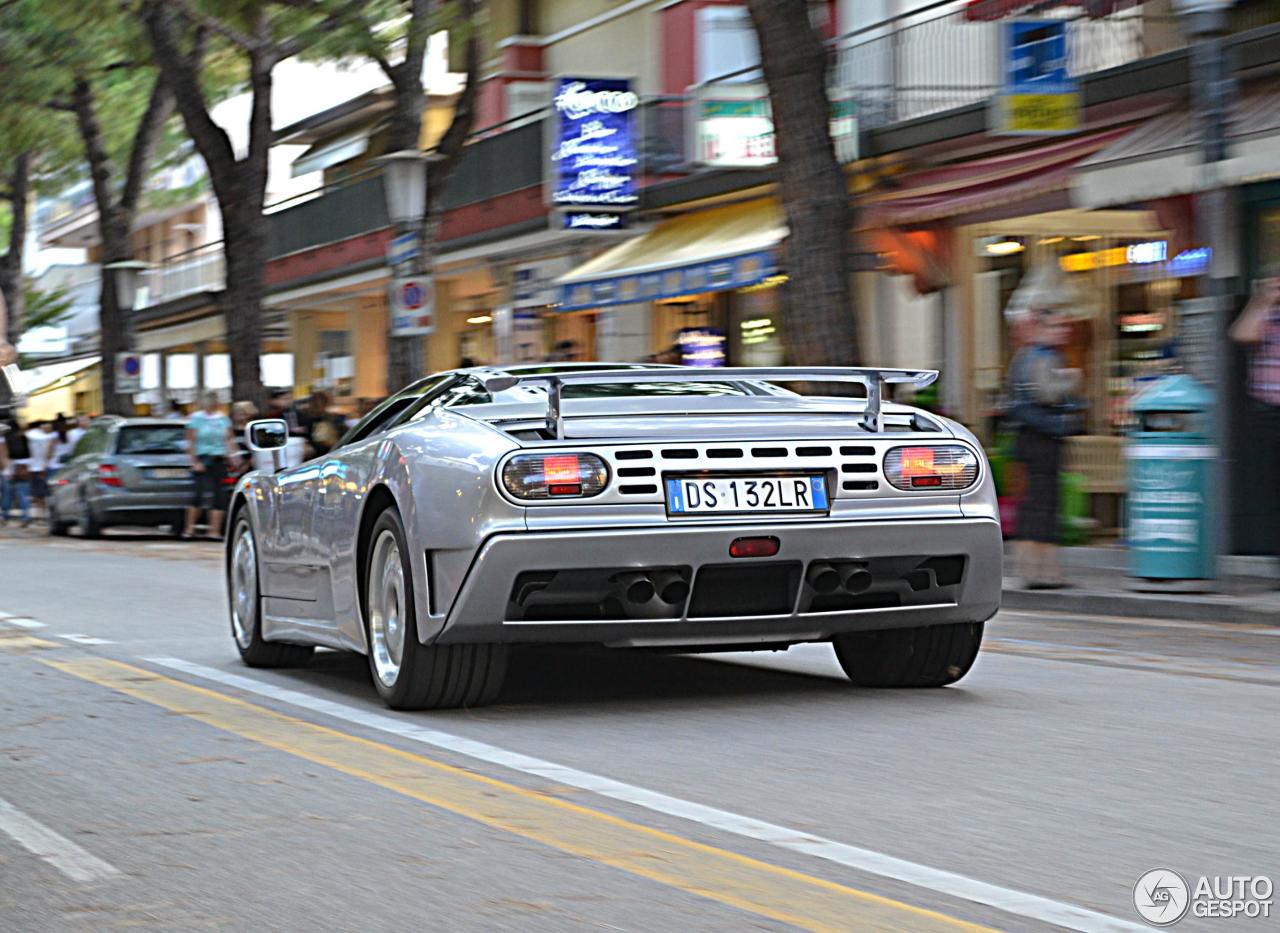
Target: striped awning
(713, 250)
(1161, 158)
(934, 194)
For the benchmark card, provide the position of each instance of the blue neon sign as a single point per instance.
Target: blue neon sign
(594, 144)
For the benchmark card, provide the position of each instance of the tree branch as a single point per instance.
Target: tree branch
(295, 44)
(159, 109)
(182, 78)
(215, 25)
(454, 139)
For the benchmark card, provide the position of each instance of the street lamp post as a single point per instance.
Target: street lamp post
(125, 276)
(1206, 22)
(404, 182)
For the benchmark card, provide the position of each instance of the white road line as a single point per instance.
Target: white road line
(22, 623)
(886, 866)
(86, 639)
(43, 842)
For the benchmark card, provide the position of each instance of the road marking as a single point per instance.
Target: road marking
(22, 623)
(886, 866)
(58, 851)
(85, 639)
(736, 880)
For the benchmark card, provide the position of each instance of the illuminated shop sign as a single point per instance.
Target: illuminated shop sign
(701, 346)
(731, 126)
(1135, 254)
(593, 221)
(1037, 95)
(594, 144)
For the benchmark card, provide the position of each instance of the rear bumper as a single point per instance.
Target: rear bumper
(141, 508)
(491, 606)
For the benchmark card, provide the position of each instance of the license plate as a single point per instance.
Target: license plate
(169, 473)
(699, 495)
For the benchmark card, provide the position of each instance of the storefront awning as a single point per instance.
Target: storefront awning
(1161, 158)
(929, 195)
(712, 250)
(43, 378)
(319, 157)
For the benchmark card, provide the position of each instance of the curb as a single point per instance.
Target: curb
(1182, 607)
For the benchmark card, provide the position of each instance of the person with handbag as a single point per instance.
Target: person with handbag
(1046, 409)
(1258, 329)
(17, 474)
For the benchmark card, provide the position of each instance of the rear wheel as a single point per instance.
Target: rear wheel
(406, 673)
(928, 656)
(246, 605)
(90, 527)
(57, 527)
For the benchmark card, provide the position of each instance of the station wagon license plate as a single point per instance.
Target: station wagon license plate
(168, 473)
(700, 495)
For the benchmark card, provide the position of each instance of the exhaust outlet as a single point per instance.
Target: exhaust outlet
(637, 587)
(672, 588)
(823, 578)
(858, 581)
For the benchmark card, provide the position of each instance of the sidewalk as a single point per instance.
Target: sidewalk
(1248, 592)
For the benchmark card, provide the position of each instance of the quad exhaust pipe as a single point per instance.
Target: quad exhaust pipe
(639, 587)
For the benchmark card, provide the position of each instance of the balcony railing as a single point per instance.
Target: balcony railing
(203, 269)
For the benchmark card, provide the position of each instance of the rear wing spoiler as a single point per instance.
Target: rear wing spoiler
(874, 379)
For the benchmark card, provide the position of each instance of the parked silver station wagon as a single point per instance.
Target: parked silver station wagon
(123, 471)
(627, 506)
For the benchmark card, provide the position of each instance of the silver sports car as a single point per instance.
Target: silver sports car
(627, 506)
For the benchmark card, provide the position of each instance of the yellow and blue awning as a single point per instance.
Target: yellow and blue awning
(713, 250)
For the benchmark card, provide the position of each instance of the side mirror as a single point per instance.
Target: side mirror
(268, 434)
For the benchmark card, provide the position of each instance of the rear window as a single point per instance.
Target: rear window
(152, 439)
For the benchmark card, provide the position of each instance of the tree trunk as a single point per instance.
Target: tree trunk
(406, 355)
(821, 326)
(242, 298)
(11, 263)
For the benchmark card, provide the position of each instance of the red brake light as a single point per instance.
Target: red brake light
(108, 475)
(940, 466)
(754, 547)
(562, 475)
(551, 476)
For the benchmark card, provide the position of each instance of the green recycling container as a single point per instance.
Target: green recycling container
(1170, 527)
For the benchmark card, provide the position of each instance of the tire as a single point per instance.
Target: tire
(245, 605)
(57, 527)
(90, 526)
(407, 674)
(928, 656)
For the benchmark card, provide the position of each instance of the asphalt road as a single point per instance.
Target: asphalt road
(148, 779)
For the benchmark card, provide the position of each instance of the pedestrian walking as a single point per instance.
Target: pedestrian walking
(1045, 406)
(174, 411)
(40, 439)
(60, 447)
(212, 448)
(17, 474)
(241, 414)
(1258, 328)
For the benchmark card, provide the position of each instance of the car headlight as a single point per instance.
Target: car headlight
(937, 467)
(555, 476)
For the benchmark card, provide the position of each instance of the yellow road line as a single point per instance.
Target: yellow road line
(736, 880)
(22, 642)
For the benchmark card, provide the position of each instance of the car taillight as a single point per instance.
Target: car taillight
(555, 476)
(109, 475)
(936, 467)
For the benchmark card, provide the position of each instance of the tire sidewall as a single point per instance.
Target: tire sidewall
(255, 631)
(413, 653)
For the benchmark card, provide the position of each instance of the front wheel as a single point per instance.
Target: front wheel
(57, 527)
(406, 673)
(90, 527)
(246, 605)
(927, 656)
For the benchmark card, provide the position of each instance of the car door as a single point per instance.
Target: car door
(74, 484)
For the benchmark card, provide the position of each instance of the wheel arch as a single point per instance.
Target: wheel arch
(380, 499)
